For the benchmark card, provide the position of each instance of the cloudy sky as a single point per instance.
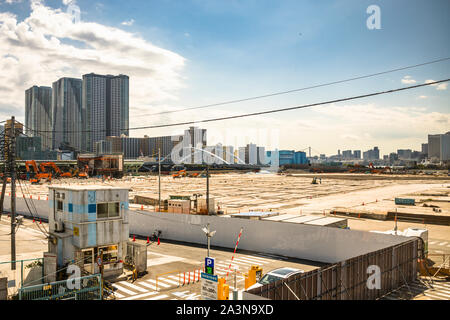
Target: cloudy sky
(182, 54)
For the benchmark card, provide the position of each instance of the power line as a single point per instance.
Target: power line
(292, 108)
(300, 89)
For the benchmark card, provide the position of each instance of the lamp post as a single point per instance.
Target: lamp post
(209, 235)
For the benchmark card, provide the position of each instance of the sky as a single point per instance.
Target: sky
(190, 53)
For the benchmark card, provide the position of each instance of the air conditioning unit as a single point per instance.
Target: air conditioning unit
(59, 226)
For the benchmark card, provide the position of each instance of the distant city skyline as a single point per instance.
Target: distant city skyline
(198, 52)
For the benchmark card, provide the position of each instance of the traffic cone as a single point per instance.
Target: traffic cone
(148, 240)
(34, 220)
(159, 242)
(142, 207)
(40, 221)
(134, 238)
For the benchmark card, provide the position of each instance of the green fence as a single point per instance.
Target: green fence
(29, 271)
(88, 288)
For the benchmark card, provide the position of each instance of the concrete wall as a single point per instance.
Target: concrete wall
(301, 241)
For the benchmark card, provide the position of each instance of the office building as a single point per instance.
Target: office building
(67, 115)
(194, 140)
(38, 114)
(357, 154)
(105, 107)
(439, 147)
(373, 154)
(287, 157)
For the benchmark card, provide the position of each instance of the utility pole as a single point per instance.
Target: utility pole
(12, 161)
(207, 190)
(159, 179)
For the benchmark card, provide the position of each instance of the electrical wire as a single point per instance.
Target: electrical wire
(300, 89)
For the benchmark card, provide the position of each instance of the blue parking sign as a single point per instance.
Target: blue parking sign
(209, 265)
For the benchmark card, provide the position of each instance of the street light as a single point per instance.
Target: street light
(209, 235)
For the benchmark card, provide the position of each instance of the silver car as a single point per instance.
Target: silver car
(275, 275)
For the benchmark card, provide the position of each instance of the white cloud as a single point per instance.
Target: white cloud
(48, 45)
(408, 80)
(439, 86)
(128, 23)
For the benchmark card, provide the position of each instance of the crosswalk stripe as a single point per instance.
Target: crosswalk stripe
(132, 286)
(240, 261)
(139, 296)
(158, 297)
(169, 281)
(443, 243)
(432, 242)
(252, 261)
(435, 296)
(162, 284)
(118, 295)
(227, 266)
(257, 258)
(120, 288)
(430, 292)
(219, 271)
(175, 277)
(148, 285)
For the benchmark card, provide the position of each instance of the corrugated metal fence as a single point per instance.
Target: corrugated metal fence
(352, 279)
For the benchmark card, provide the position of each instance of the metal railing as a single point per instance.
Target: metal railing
(88, 288)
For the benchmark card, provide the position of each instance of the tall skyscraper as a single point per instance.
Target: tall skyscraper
(67, 117)
(105, 107)
(38, 114)
(439, 147)
(194, 140)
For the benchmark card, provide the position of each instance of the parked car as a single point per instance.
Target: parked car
(275, 275)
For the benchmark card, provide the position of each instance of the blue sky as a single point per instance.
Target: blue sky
(233, 49)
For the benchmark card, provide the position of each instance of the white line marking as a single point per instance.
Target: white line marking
(132, 286)
(148, 285)
(158, 297)
(169, 281)
(120, 288)
(139, 296)
(443, 243)
(252, 261)
(432, 242)
(118, 295)
(162, 284)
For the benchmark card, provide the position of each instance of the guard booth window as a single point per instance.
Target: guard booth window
(108, 210)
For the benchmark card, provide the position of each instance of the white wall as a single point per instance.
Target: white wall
(315, 243)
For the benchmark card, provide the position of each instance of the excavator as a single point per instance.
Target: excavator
(179, 174)
(36, 177)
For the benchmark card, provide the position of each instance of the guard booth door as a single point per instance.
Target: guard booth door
(137, 256)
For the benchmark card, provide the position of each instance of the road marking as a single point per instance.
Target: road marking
(148, 285)
(227, 266)
(171, 281)
(162, 284)
(123, 289)
(252, 261)
(180, 294)
(218, 271)
(139, 296)
(443, 243)
(432, 242)
(158, 297)
(246, 263)
(118, 295)
(132, 286)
